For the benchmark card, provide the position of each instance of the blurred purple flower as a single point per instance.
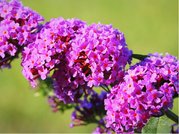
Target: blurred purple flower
(175, 129)
(89, 110)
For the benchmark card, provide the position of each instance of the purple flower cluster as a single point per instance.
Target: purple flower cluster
(50, 48)
(101, 54)
(81, 56)
(89, 110)
(68, 85)
(148, 88)
(95, 58)
(18, 25)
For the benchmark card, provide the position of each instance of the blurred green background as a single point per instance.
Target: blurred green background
(149, 26)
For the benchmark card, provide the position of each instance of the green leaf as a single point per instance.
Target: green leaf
(45, 87)
(158, 125)
(63, 107)
(151, 126)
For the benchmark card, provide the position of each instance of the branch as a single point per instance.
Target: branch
(171, 115)
(139, 56)
(105, 88)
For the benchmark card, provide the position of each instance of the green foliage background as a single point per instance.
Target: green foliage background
(149, 26)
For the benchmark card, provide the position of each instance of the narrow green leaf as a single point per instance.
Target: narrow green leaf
(139, 56)
(45, 86)
(63, 107)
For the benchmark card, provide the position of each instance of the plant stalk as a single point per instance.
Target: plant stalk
(172, 116)
(139, 56)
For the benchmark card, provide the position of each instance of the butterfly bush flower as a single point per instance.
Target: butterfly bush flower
(89, 110)
(95, 58)
(101, 54)
(101, 129)
(81, 56)
(147, 90)
(18, 25)
(49, 48)
(68, 85)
